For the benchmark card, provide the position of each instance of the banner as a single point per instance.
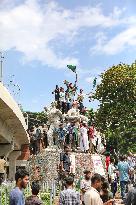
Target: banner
(98, 165)
(72, 167)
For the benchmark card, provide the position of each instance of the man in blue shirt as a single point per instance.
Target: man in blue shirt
(61, 131)
(16, 195)
(123, 168)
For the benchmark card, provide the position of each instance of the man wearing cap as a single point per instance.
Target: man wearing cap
(85, 184)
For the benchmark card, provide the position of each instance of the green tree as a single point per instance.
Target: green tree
(116, 114)
(90, 115)
(35, 118)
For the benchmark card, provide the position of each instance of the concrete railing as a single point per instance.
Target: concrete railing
(10, 102)
(10, 109)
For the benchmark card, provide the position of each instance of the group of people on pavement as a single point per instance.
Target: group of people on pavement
(97, 187)
(124, 172)
(93, 191)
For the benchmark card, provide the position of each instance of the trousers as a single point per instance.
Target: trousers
(124, 188)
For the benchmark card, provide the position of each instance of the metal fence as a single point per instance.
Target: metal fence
(47, 193)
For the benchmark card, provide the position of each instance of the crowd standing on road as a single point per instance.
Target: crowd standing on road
(94, 188)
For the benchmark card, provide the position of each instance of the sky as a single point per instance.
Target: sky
(39, 38)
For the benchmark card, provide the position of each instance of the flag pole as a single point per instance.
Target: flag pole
(76, 78)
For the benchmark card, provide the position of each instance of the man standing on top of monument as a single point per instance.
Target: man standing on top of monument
(65, 160)
(80, 99)
(56, 92)
(62, 99)
(61, 135)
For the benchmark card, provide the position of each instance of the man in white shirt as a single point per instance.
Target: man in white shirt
(85, 184)
(112, 176)
(92, 196)
(62, 99)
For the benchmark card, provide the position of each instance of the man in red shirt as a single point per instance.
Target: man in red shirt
(107, 161)
(91, 137)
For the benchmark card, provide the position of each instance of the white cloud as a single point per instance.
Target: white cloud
(115, 45)
(30, 28)
(121, 41)
(117, 12)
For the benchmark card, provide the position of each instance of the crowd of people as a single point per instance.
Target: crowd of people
(78, 136)
(94, 189)
(120, 174)
(76, 133)
(65, 98)
(38, 138)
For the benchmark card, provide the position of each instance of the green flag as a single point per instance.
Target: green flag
(72, 67)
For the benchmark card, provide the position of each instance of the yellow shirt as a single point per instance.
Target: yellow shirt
(92, 197)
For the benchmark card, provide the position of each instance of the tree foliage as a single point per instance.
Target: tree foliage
(116, 113)
(36, 118)
(90, 114)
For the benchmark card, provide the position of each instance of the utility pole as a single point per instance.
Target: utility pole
(1, 66)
